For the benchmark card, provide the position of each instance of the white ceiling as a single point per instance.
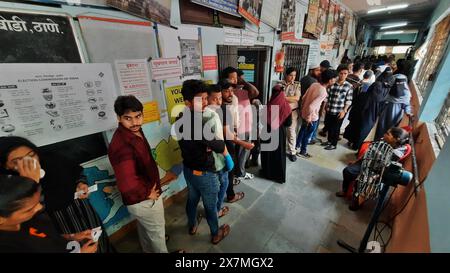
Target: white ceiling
(417, 14)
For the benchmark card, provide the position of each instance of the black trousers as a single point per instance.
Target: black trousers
(333, 124)
(350, 173)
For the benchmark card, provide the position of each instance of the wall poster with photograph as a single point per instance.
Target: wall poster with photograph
(154, 10)
(288, 20)
(330, 19)
(322, 17)
(339, 14)
(301, 7)
(311, 18)
(191, 57)
(251, 10)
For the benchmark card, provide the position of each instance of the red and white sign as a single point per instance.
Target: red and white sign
(209, 63)
(134, 78)
(166, 68)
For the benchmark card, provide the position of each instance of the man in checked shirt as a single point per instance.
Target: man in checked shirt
(338, 102)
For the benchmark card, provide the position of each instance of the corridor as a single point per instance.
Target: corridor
(301, 216)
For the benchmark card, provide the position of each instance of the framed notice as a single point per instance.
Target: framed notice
(49, 103)
(154, 10)
(227, 6)
(251, 10)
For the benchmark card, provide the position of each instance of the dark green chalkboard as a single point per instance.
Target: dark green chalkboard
(35, 43)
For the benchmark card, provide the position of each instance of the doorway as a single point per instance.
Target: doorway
(253, 61)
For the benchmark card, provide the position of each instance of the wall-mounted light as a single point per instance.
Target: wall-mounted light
(393, 32)
(394, 25)
(393, 7)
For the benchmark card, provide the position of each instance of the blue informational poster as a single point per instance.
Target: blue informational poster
(249, 75)
(227, 6)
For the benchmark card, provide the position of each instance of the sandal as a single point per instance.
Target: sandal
(193, 230)
(224, 230)
(223, 211)
(238, 196)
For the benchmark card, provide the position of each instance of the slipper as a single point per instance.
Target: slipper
(236, 181)
(341, 194)
(224, 230)
(238, 196)
(193, 230)
(223, 211)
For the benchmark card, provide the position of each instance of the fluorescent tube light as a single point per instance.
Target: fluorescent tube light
(394, 25)
(393, 32)
(393, 7)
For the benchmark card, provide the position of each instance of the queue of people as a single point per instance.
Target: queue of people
(238, 126)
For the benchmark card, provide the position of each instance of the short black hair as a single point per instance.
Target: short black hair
(214, 88)
(224, 84)
(129, 103)
(227, 71)
(357, 66)
(291, 69)
(14, 189)
(400, 134)
(368, 65)
(325, 63)
(10, 143)
(239, 72)
(191, 88)
(327, 75)
(342, 67)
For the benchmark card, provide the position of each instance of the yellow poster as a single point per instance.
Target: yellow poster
(151, 111)
(173, 98)
(247, 66)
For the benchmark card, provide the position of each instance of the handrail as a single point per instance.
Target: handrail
(413, 154)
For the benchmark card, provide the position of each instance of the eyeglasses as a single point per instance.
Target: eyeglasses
(16, 160)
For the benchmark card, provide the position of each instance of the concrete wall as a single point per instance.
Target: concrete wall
(402, 37)
(438, 202)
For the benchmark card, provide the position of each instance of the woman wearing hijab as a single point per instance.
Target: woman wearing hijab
(60, 180)
(273, 163)
(370, 106)
(397, 103)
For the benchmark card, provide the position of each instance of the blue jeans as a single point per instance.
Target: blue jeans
(305, 134)
(207, 187)
(314, 134)
(223, 179)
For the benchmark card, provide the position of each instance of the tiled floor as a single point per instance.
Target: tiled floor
(302, 215)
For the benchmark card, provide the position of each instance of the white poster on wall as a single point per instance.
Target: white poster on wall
(191, 57)
(49, 103)
(134, 78)
(166, 68)
(313, 54)
(271, 11)
(248, 38)
(232, 36)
